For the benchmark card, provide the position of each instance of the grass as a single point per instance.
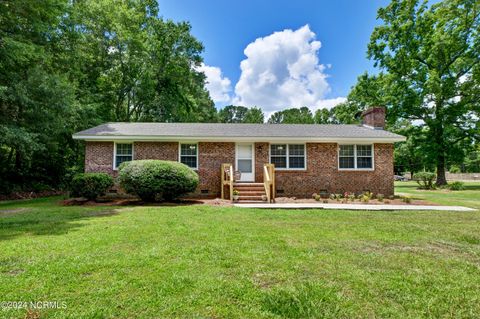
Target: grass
(470, 197)
(224, 262)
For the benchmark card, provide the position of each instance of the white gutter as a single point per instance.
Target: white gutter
(143, 138)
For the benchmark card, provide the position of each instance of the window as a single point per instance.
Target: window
(346, 156)
(355, 157)
(123, 153)
(278, 155)
(288, 156)
(189, 155)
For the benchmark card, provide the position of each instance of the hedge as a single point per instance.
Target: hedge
(152, 179)
(90, 185)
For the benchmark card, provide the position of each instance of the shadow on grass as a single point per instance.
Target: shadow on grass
(128, 202)
(472, 186)
(55, 216)
(469, 186)
(52, 220)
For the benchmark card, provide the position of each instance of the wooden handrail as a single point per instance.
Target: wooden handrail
(226, 178)
(269, 181)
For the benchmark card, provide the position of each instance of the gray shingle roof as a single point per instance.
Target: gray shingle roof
(230, 131)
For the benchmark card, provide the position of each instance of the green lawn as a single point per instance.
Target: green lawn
(223, 262)
(469, 197)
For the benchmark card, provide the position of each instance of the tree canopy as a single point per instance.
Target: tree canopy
(240, 114)
(67, 65)
(430, 58)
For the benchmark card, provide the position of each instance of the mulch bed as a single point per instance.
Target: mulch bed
(396, 201)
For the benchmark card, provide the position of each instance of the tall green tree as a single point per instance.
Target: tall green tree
(134, 65)
(34, 98)
(301, 115)
(254, 115)
(323, 116)
(344, 113)
(67, 65)
(240, 114)
(430, 56)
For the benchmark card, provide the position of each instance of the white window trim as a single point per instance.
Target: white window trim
(114, 166)
(180, 153)
(287, 155)
(355, 158)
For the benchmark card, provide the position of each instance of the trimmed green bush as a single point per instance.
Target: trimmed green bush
(151, 178)
(90, 185)
(425, 179)
(456, 186)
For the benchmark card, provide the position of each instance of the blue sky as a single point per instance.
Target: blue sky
(290, 67)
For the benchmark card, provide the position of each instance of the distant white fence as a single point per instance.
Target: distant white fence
(463, 176)
(457, 176)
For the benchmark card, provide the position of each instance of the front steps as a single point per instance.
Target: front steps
(250, 192)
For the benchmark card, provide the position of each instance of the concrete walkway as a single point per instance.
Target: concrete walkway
(354, 206)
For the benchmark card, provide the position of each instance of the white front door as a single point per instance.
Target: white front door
(245, 162)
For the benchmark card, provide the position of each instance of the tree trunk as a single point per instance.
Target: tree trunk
(441, 179)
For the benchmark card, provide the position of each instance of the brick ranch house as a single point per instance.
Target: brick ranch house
(307, 158)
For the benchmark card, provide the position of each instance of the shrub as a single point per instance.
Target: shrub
(456, 186)
(90, 185)
(317, 197)
(425, 179)
(366, 197)
(454, 169)
(407, 199)
(314, 195)
(151, 178)
(380, 197)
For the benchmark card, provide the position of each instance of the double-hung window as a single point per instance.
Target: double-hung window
(189, 155)
(355, 157)
(288, 156)
(123, 153)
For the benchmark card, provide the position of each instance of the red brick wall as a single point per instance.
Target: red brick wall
(156, 150)
(210, 158)
(99, 157)
(322, 173)
(261, 157)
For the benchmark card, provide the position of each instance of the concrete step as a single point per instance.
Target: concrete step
(249, 187)
(245, 184)
(252, 192)
(245, 197)
(251, 202)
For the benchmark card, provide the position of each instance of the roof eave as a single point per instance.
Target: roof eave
(140, 138)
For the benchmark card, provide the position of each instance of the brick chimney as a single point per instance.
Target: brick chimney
(374, 117)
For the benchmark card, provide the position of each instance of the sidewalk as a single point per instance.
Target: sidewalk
(355, 207)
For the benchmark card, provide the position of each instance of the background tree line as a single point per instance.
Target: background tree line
(69, 65)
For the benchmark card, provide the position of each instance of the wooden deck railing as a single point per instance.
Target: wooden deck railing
(227, 179)
(269, 181)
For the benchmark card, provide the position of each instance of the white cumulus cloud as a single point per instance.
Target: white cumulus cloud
(219, 86)
(283, 70)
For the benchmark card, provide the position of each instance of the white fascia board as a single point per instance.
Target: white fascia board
(145, 138)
